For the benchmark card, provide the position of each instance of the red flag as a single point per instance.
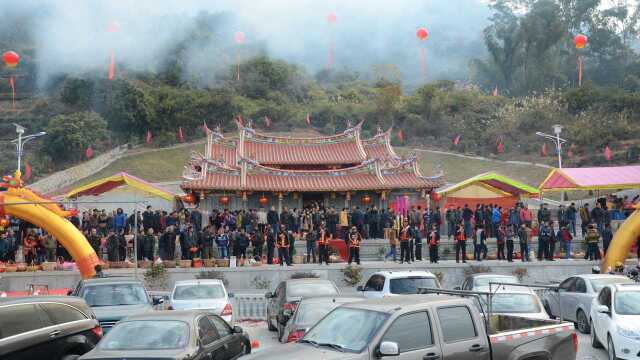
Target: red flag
(456, 140)
(205, 128)
(400, 136)
(500, 147)
(544, 151)
(570, 151)
(267, 121)
(607, 153)
(27, 170)
(240, 121)
(89, 152)
(149, 138)
(495, 91)
(180, 134)
(112, 66)
(308, 119)
(12, 83)
(579, 71)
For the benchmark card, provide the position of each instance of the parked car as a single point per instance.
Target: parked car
(205, 294)
(46, 327)
(482, 280)
(514, 301)
(185, 334)
(114, 298)
(308, 312)
(289, 293)
(574, 295)
(427, 327)
(389, 283)
(615, 320)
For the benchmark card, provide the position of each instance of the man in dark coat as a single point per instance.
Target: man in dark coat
(167, 244)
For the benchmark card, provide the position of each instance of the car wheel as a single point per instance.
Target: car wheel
(611, 350)
(594, 339)
(269, 325)
(582, 323)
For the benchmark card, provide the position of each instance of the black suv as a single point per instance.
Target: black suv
(115, 298)
(46, 327)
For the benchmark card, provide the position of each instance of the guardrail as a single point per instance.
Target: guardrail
(250, 307)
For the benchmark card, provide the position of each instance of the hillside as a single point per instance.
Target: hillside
(166, 165)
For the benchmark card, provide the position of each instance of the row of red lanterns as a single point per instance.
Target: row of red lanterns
(263, 200)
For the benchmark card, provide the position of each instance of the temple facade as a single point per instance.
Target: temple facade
(253, 170)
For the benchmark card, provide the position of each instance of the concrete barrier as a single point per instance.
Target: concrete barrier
(249, 307)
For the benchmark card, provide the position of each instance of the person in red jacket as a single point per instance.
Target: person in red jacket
(434, 241)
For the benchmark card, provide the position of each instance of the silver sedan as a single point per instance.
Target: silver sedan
(571, 300)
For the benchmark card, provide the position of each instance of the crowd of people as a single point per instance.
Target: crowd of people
(266, 235)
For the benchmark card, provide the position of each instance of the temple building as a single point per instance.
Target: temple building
(256, 170)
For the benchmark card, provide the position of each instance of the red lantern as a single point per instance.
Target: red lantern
(189, 198)
(263, 200)
(580, 41)
(366, 200)
(11, 59)
(4, 223)
(422, 34)
(224, 200)
(332, 18)
(239, 37)
(435, 196)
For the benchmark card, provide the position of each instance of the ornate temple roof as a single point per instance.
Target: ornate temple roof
(251, 162)
(251, 176)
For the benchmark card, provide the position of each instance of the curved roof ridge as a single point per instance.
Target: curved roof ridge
(256, 165)
(347, 134)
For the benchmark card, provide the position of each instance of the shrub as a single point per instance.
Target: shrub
(352, 275)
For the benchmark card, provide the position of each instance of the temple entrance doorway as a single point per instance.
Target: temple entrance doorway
(312, 198)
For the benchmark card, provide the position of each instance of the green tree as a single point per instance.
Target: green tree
(68, 136)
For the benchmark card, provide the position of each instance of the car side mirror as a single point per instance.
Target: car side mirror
(158, 301)
(268, 295)
(457, 288)
(237, 330)
(360, 288)
(388, 348)
(603, 309)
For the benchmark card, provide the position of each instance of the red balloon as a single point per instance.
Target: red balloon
(11, 59)
(239, 37)
(580, 41)
(422, 34)
(435, 196)
(332, 17)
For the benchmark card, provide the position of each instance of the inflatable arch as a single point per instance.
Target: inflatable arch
(24, 204)
(623, 240)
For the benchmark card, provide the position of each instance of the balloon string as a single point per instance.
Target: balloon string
(112, 66)
(579, 71)
(423, 62)
(237, 65)
(12, 83)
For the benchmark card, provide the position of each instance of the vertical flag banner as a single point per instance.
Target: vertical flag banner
(89, 152)
(149, 138)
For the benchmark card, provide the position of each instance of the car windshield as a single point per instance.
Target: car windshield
(627, 303)
(598, 284)
(485, 280)
(316, 288)
(347, 329)
(312, 313)
(147, 335)
(513, 304)
(411, 285)
(198, 292)
(114, 295)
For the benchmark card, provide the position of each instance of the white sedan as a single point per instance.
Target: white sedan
(615, 321)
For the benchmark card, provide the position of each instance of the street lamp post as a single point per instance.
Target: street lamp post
(21, 140)
(558, 141)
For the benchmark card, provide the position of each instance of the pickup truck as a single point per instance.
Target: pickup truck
(428, 327)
